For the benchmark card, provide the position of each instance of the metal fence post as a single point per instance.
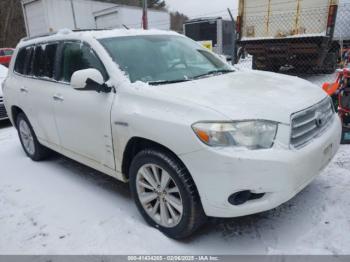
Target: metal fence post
(234, 39)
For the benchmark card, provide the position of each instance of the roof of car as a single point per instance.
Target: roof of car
(95, 34)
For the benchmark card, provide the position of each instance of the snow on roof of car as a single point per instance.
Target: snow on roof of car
(96, 34)
(127, 32)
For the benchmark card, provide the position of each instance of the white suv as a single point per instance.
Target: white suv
(193, 136)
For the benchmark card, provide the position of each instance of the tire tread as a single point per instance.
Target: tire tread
(196, 217)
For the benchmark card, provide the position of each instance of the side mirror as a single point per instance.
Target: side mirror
(89, 80)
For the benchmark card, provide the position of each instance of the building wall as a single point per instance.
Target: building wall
(84, 12)
(54, 15)
(132, 18)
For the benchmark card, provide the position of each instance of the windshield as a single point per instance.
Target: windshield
(163, 58)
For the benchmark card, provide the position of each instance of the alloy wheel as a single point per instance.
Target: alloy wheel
(159, 195)
(26, 137)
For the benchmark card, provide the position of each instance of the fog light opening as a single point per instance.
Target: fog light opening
(242, 197)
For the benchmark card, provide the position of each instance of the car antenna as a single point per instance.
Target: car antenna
(127, 28)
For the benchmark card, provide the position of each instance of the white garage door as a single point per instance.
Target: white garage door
(36, 20)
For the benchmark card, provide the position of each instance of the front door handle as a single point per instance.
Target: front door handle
(58, 98)
(24, 90)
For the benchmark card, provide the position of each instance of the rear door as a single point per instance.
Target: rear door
(41, 89)
(37, 88)
(83, 117)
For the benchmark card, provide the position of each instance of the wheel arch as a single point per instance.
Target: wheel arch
(15, 111)
(136, 145)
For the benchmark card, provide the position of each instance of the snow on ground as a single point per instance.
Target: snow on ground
(61, 207)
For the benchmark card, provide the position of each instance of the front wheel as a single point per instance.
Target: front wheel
(165, 194)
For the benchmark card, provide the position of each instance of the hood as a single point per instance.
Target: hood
(249, 95)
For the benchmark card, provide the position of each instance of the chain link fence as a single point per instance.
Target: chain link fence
(310, 42)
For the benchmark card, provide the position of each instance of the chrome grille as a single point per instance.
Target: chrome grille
(3, 113)
(311, 122)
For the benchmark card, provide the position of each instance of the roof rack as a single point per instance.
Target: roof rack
(37, 36)
(63, 31)
(87, 30)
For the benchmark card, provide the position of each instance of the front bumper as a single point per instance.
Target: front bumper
(3, 114)
(279, 173)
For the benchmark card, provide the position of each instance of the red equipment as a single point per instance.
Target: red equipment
(340, 93)
(5, 56)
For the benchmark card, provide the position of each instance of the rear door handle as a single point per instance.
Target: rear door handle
(58, 98)
(24, 90)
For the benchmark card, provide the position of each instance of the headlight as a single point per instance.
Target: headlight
(253, 135)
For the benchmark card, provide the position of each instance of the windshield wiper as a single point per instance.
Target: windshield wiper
(164, 82)
(214, 72)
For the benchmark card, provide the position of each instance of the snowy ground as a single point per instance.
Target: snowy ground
(61, 207)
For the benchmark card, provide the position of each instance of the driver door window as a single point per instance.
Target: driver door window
(78, 56)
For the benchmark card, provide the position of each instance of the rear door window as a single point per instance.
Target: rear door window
(78, 56)
(44, 60)
(28, 61)
(39, 61)
(50, 59)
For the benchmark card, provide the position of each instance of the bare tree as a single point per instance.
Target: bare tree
(177, 21)
(12, 27)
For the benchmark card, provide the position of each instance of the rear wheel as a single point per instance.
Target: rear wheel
(255, 65)
(29, 141)
(165, 194)
(329, 64)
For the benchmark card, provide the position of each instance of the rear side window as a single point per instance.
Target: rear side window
(20, 59)
(23, 63)
(44, 60)
(77, 56)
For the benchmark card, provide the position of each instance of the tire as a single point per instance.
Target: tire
(192, 216)
(26, 134)
(330, 64)
(254, 64)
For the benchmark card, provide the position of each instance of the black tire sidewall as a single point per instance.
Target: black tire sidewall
(35, 156)
(169, 165)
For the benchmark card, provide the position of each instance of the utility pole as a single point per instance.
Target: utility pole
(73, 13)
(145, 15)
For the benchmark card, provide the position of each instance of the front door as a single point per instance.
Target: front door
(83, 117)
